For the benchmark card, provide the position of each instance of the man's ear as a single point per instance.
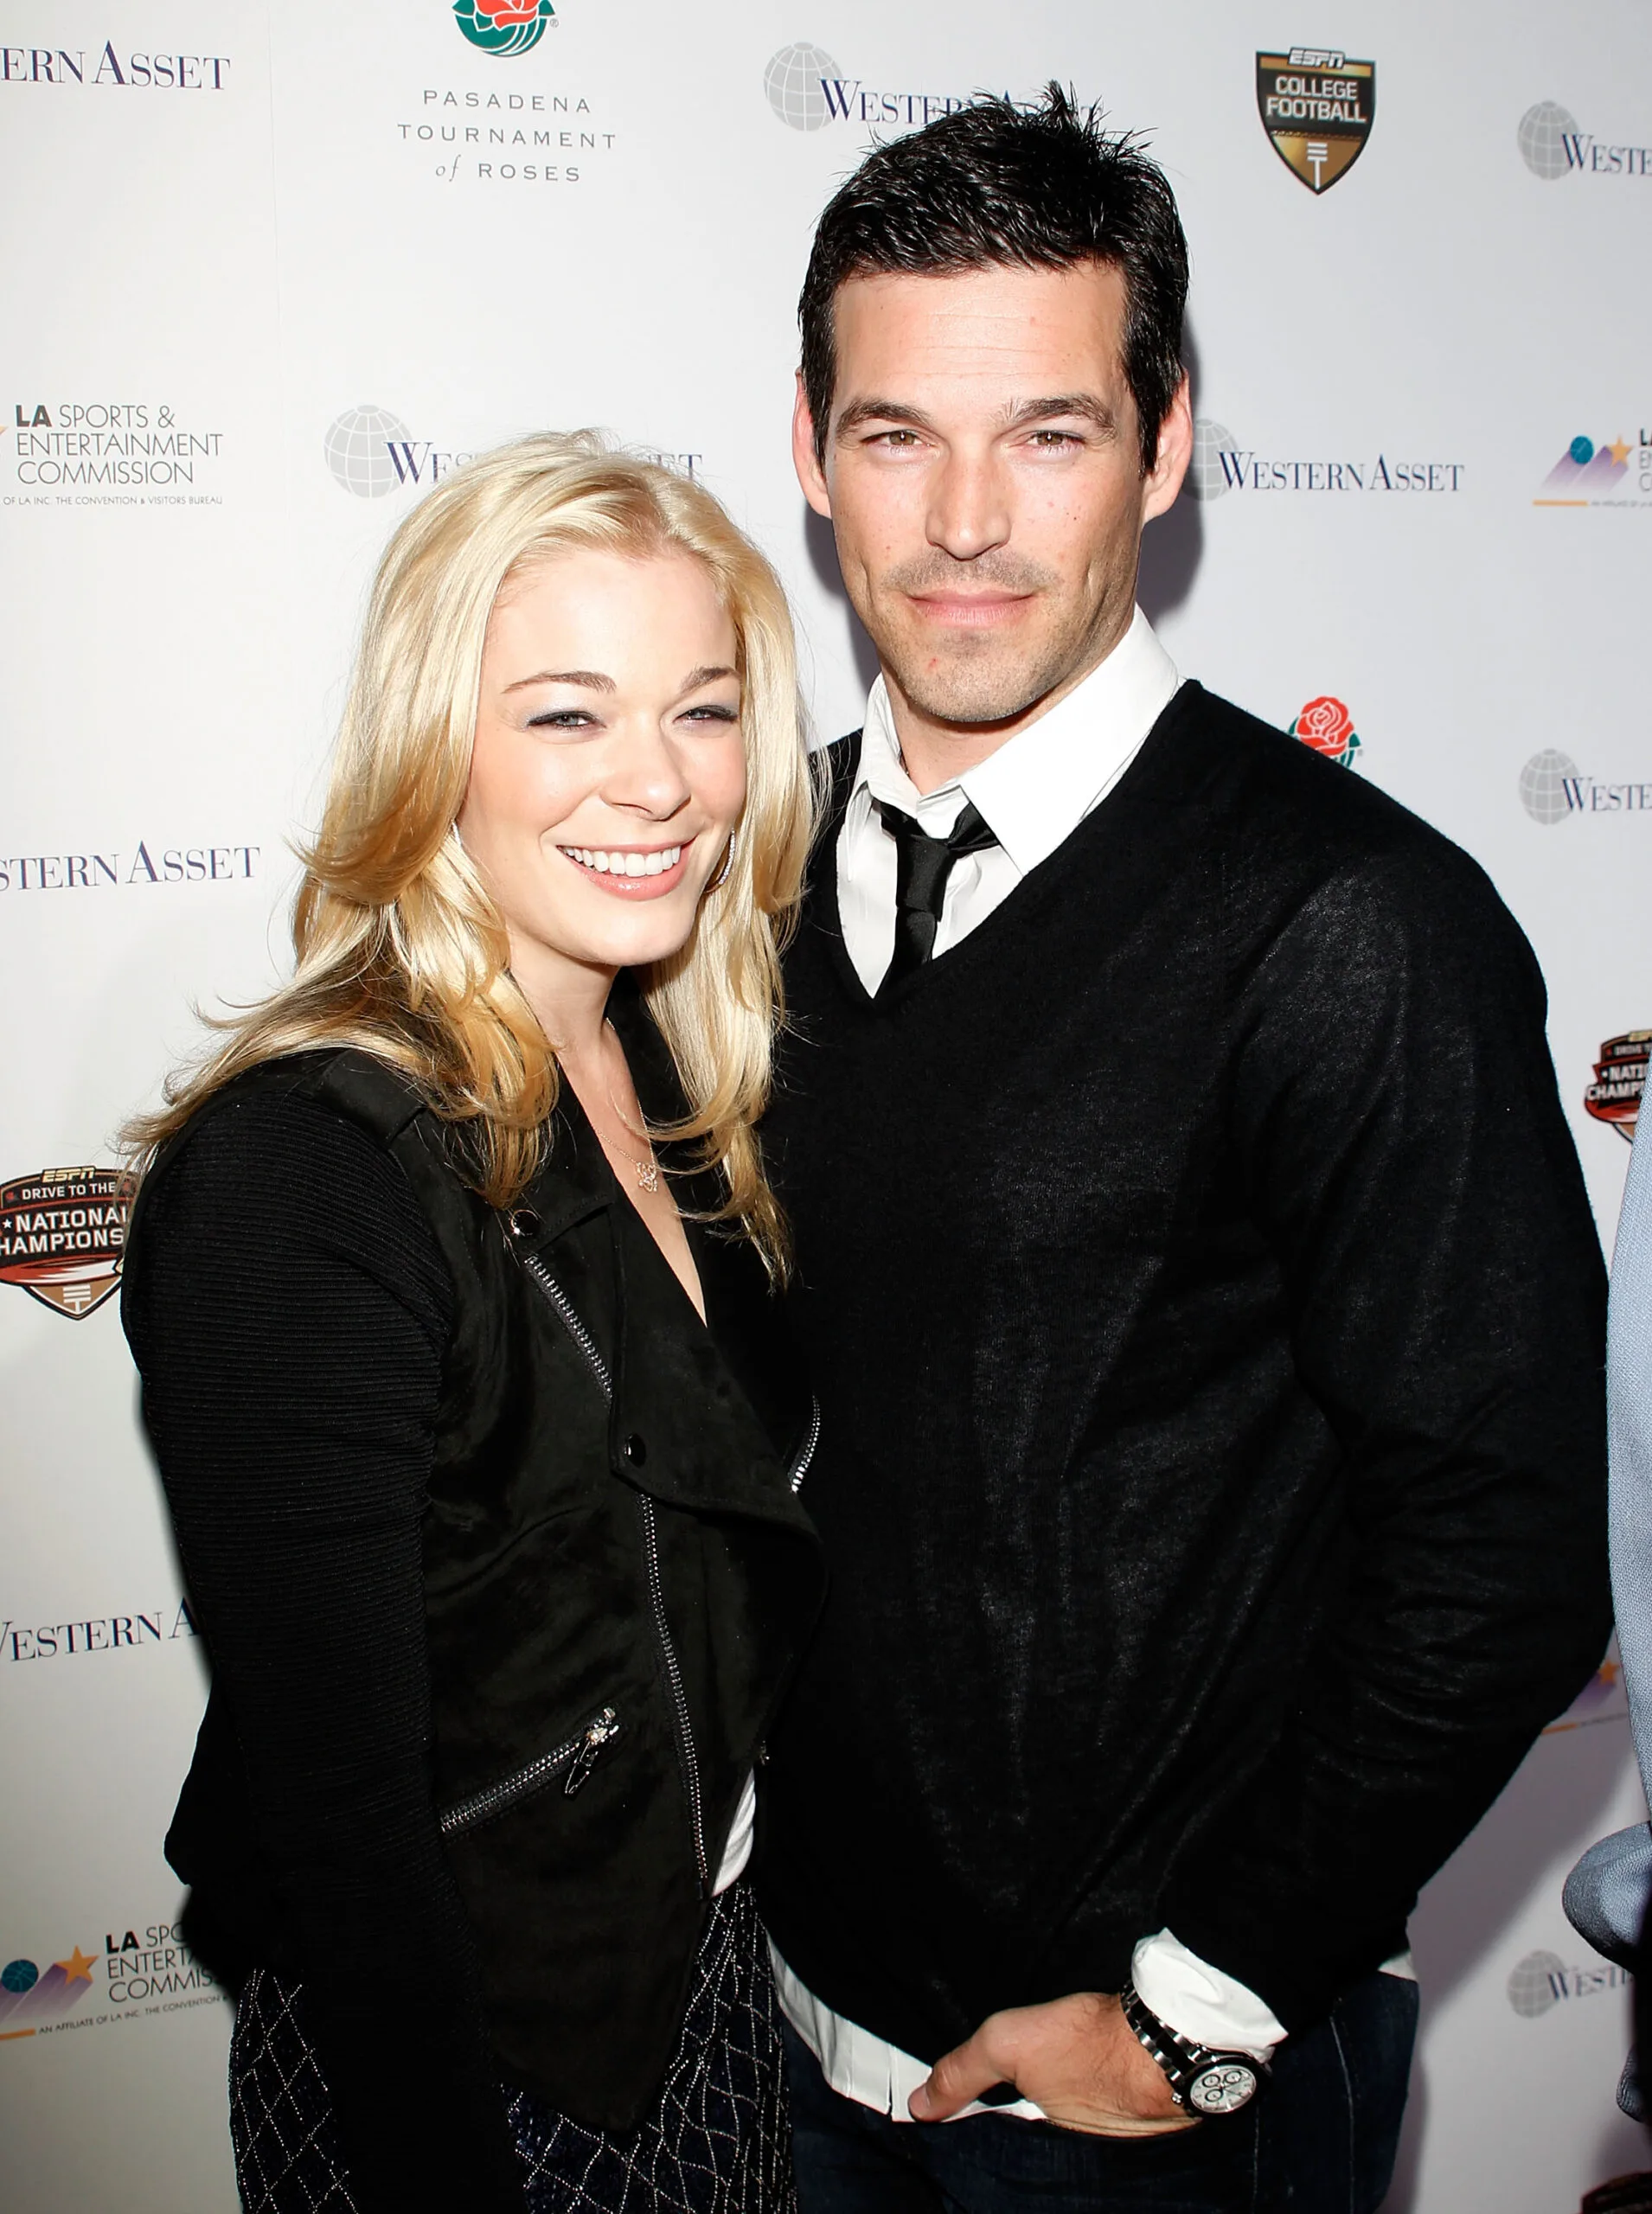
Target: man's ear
(1163, 481)
(810, 475)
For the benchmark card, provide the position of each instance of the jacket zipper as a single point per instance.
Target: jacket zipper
(564, 1310)
(579, 1755)
(806, 1450)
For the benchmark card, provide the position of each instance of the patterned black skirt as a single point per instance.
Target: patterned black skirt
(717, 2142)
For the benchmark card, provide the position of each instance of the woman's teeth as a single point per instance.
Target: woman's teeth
(655, 864)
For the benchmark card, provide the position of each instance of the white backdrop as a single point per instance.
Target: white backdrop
(269, 268)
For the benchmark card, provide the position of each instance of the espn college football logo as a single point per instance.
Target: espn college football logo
(1316, 106)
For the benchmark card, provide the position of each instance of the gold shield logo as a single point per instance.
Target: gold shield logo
(1316, 106)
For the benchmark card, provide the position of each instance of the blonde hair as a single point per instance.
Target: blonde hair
(402, 953)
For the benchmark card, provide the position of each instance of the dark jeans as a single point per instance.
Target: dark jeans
(1320, 2138)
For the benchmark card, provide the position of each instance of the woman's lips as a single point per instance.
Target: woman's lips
(632, 872)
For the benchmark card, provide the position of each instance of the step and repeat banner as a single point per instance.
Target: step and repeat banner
(273, 269)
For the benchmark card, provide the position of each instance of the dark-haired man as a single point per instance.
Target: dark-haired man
(1204, 1304)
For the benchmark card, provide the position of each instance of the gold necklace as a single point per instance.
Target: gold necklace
(648, 1169)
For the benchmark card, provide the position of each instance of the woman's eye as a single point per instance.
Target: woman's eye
(562, 718)
(712, 715)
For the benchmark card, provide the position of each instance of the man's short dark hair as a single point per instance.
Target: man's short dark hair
(998, 185)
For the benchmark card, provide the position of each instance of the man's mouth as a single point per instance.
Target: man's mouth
(971, 610)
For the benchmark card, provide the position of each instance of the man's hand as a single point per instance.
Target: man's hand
(1077, 2058)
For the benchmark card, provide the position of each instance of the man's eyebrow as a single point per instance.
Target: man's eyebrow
(1084, 403)
(591, 680)
(879, 411)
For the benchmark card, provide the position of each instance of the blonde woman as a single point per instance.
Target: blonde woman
(450, 1286)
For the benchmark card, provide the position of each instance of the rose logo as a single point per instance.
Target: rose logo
(503, 26)
(1326, 725)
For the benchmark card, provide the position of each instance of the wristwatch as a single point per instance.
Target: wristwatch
(1207, 2083)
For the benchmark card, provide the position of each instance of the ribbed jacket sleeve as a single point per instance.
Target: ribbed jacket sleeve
(1396, 1114)
(289, 1310)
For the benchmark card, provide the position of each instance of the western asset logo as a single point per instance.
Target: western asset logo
(71, 1640)
(1616, 473)
(1327, 727)
(137, 1976)
(92, 453)
(1614, 1098)
(1318, 108)
(371, 452)
(114, 69)
(504, 27)
(1553, 789)
(62, 1234)
(807, 90)
(1221, 465)
(119, 871)
(1553, 144)
(1542, 1980)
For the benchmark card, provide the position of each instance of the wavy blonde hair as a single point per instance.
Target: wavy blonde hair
(401, 951)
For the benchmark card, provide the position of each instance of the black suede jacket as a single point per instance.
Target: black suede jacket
(617, 1575)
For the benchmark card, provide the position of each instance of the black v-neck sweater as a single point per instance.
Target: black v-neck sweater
(1206, 1318)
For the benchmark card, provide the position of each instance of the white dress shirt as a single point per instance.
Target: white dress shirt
(1033, 793)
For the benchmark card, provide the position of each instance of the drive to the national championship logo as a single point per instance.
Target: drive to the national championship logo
(1620, 1078)
(62, 1231)
(1317, 107)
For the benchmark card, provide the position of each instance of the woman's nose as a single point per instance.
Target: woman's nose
(647, 773)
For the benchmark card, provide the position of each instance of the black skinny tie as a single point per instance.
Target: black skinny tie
(922, 867)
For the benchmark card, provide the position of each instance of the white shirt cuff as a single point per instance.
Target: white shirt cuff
(1201, 2002)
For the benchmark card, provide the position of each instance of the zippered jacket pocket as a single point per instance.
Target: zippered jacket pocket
(571, 1762)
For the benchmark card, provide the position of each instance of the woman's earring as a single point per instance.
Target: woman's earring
(722, 875)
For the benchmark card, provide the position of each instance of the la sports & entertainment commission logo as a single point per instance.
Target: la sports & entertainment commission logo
(1600, 473)
(138, 1974)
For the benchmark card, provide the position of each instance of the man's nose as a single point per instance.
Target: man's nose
(969, 512)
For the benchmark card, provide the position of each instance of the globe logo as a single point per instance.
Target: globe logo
(1543, 787)
(1207, 478)
(1542, 138)
(792, 81)
(357, 447)
(1536, 1983)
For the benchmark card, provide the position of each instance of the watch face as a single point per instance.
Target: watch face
(1222, 2088)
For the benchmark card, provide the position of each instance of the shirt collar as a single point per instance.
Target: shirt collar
(1038, 787)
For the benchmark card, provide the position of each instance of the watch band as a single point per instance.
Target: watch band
(1202, 2078)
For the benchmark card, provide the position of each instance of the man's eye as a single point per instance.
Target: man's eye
(1051, 439)
(896, 439)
